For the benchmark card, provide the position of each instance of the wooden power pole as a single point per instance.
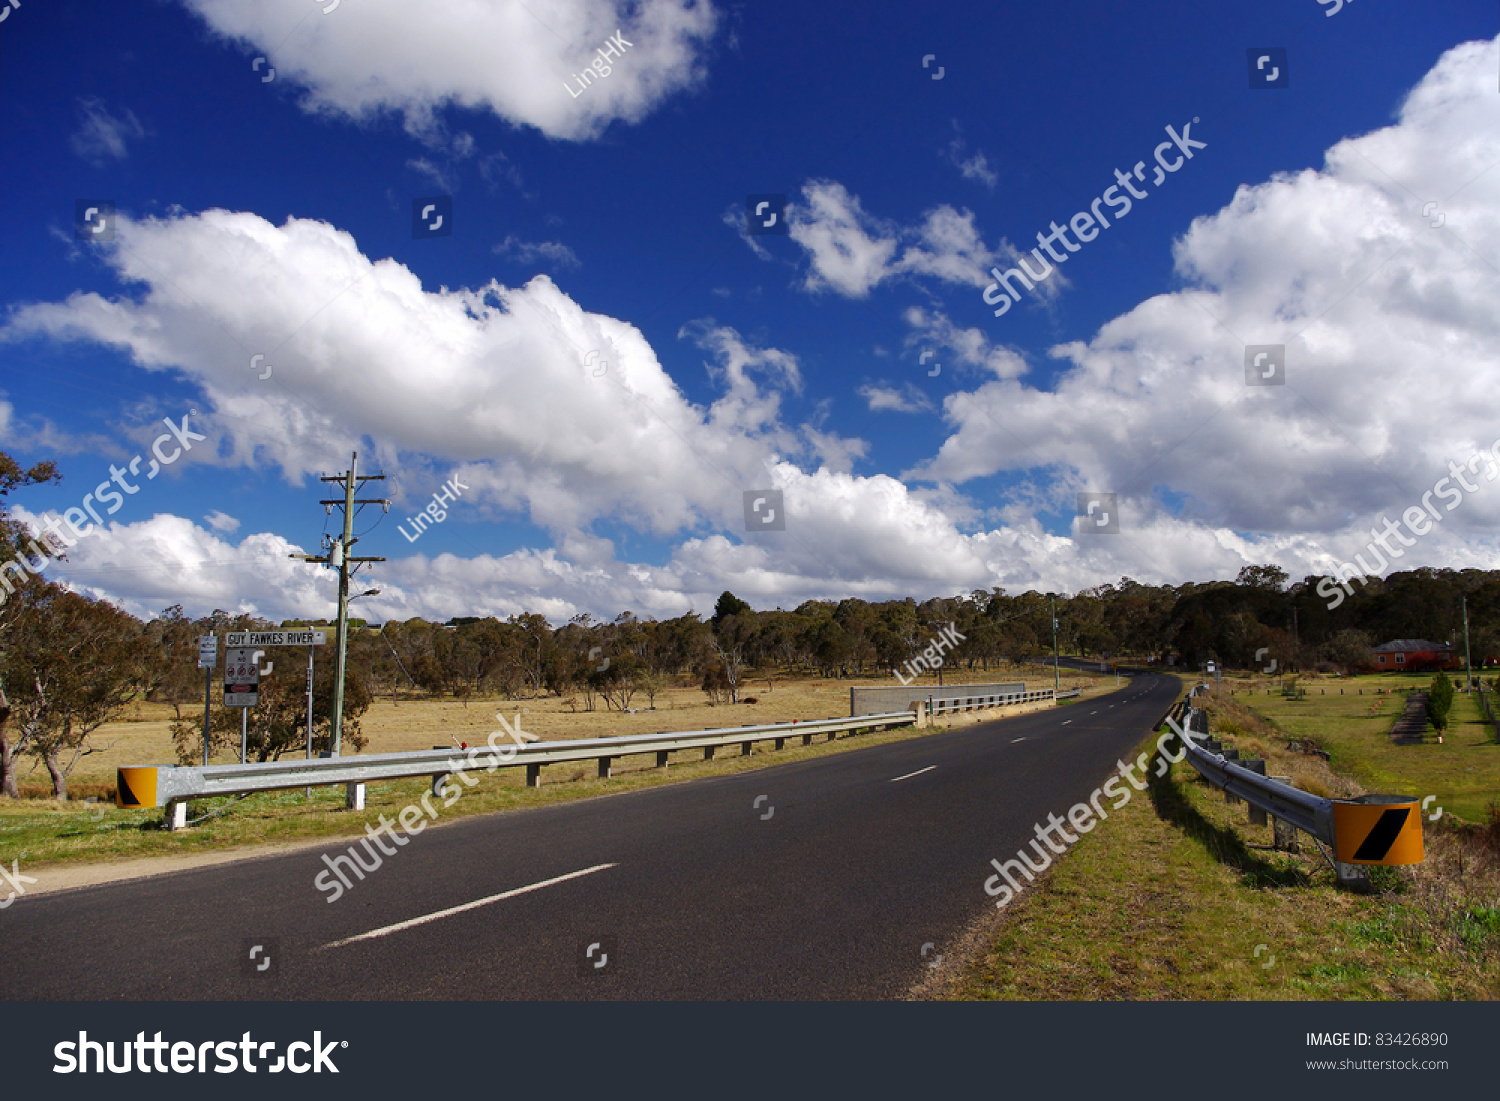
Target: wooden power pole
(339, 558)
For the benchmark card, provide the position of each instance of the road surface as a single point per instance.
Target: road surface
(820, 879)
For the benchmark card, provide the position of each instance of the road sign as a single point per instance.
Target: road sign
(1378, 829)
(241, 678)
(208, 651)
(276, 638)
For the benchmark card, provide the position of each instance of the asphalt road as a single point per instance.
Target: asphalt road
(827, 888)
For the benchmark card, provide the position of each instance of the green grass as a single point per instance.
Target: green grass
(1463, 771)
(1173, 896)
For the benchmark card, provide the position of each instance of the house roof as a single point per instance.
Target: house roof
(1410, 646)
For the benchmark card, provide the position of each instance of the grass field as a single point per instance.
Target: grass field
(1178, 897)
(1463, 771)
(42, 832)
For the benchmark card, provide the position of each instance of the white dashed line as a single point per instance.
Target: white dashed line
(1065, 722)
(1013, 741)
(386, 930)
(909, 775)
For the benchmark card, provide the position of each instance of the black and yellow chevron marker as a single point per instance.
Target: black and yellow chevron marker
(1378, 829)
(135, 787)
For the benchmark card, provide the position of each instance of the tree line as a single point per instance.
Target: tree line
(69, 663)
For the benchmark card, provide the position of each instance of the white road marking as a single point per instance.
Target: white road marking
(386, 930)
(1065, 722)
(909, 775)
(1013, 741)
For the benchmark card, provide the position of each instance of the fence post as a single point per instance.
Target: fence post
(354, 796)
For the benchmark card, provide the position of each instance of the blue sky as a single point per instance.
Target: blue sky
(612, 221)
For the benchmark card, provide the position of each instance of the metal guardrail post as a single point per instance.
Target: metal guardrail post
(1257, 815)
(1283, 834)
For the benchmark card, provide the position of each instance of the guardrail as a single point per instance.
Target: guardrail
(873, 700)
(1373, 829)
(943, 705)
(172, 786)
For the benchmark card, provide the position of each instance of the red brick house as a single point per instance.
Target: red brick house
(1412, 655)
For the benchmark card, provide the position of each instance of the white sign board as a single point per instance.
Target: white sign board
(276, 638)
(241, 678)
(208, 651)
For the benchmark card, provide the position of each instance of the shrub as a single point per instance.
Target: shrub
(1439, 701)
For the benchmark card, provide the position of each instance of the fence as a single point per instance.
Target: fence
(871, 701)
(1489, 713)
(172, 786)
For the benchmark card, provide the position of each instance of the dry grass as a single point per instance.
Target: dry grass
(143, 736)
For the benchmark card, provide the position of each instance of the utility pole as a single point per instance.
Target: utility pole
(340, 559)
(1056, 675)
(1468, 665)
(1296, 640)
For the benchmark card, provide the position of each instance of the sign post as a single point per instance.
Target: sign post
(242, 687)
(208, 657)
(246, 682)
(308, 793)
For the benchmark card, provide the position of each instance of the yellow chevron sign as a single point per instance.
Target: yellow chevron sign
(135, 787)
(1378, 829)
